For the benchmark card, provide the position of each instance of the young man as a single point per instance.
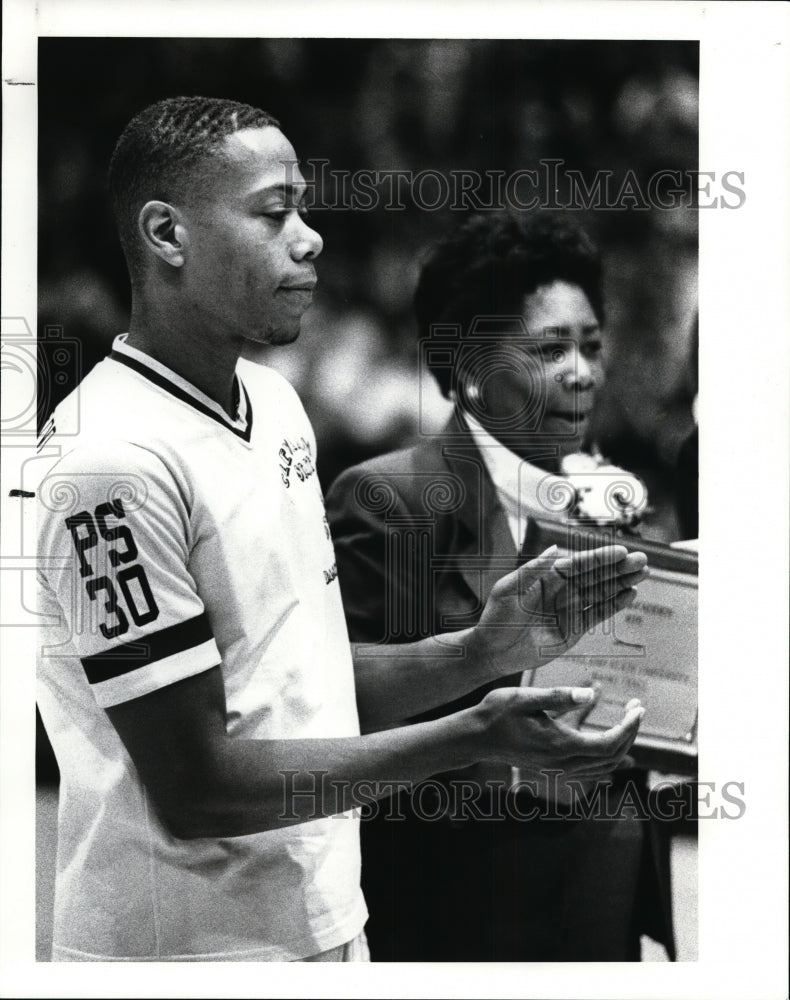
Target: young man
(196, 679)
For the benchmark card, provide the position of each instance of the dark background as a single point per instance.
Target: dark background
(399, 105)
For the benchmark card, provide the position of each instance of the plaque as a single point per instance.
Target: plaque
(647, 651)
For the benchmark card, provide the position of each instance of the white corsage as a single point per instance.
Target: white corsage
(591, 489)
(605, 494)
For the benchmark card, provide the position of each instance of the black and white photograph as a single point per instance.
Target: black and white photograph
(374, 402)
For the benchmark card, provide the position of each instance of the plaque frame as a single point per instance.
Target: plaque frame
(671, 755)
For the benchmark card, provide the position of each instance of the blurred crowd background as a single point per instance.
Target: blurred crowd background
(388, 105)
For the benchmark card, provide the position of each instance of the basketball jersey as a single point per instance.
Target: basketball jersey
(173, 538)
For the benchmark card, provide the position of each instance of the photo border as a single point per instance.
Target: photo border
(743, 413)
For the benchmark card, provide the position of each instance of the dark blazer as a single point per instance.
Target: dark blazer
(420, 540)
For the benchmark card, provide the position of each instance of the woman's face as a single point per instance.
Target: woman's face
(534, 389)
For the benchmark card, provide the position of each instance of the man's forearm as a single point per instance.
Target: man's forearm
(252, 786)
(396, 682)
(205, 783)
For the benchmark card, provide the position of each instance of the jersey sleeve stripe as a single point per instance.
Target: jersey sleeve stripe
(147, 649)
(174, 668)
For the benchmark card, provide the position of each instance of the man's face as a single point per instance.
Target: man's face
(537, 391)
(248, 263)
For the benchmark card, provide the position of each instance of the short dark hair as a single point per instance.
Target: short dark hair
(159, 150)
(492, 261)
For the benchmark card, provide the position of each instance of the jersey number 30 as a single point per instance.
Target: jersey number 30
(132, 582)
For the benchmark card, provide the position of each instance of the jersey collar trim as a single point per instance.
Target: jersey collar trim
(177, 386)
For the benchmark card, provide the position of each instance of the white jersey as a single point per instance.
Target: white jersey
(173, 539)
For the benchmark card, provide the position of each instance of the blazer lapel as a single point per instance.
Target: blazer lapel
(483, 548)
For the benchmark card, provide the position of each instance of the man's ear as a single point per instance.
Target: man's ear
(162, 231)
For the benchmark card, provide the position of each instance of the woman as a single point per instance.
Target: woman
(510, 314)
